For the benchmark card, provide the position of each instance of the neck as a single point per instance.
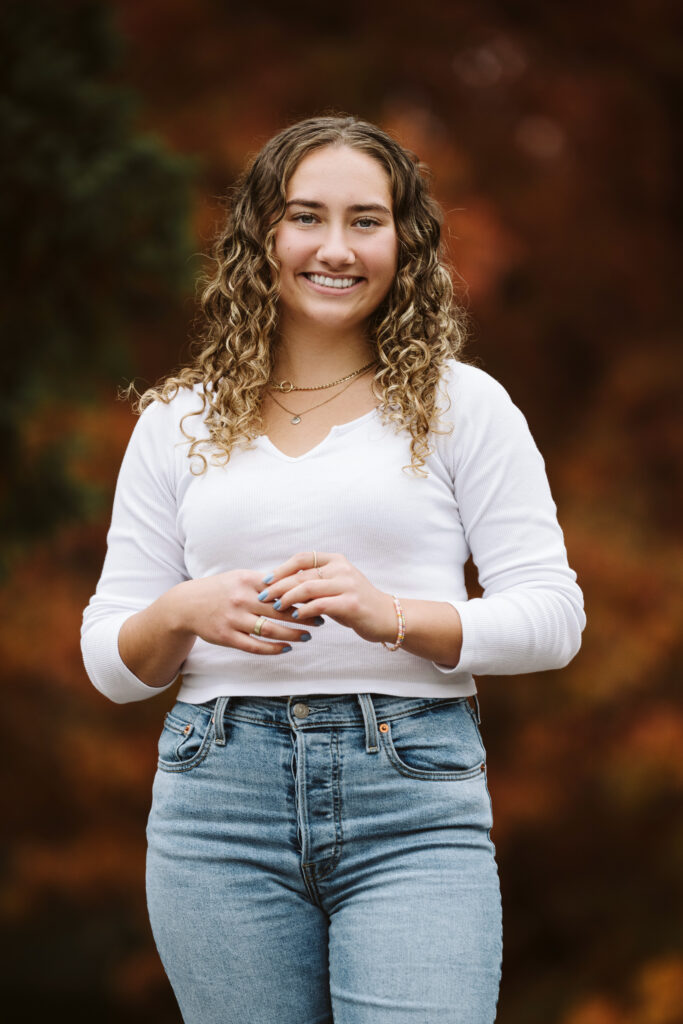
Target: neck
(309, 358)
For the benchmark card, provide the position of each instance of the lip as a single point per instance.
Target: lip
(325, 289)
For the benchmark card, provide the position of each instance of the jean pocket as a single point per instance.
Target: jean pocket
(185, 739)
(441, 743)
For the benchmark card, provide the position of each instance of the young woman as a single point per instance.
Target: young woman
(312, 485)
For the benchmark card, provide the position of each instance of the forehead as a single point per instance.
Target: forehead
(341, 172)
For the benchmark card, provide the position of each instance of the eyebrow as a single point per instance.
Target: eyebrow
(356, 208)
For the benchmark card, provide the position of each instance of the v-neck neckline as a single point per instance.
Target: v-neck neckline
(336, 430)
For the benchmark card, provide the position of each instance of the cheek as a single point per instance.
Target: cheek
(385, 269)
(385, 259)
(283, 241)
(290, 252)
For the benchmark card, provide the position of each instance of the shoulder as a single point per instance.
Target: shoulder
(157, 449)
(481, 422)
(173, 419)
(472, 391)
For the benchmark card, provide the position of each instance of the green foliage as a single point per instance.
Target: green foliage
(95, 218)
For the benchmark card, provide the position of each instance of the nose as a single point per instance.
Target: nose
(335, 249)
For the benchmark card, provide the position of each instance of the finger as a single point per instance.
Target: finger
(253, 646)
(279, 615)
(302, 560)
(287, 583)
(277, 589)
(291, 588)
(275, 630)
(305, 592)
(312, 613)
(287, 634)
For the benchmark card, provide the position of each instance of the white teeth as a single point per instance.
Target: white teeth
(332, 282)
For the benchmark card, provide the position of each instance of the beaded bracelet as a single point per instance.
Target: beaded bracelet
(401, 626)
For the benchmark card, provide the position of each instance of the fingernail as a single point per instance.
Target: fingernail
(269, 579)
(305, 636)
(263, 595)
(286, 649)
(276, 606)
(295, 613)
(319, 620)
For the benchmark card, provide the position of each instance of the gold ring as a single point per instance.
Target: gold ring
(259, 625)
(315, 560)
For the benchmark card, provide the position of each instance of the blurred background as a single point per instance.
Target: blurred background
(549, 128)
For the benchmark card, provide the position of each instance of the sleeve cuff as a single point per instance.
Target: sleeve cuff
(107, 671)
(464, 661)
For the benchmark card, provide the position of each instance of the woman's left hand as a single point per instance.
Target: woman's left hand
(340, 591)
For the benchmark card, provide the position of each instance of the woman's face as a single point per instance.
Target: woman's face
(337, 243)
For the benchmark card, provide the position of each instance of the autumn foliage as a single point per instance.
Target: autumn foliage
(549, 130)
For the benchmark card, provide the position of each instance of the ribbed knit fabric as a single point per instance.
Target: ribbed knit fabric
(487, 493)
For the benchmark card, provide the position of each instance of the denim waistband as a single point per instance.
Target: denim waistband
(315, 711)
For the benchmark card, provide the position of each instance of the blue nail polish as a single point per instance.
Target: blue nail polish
(295, 613)
(304, 637)
(269, 579)
(319, 620)
(263, 595)
(285, 650)
(276, 606)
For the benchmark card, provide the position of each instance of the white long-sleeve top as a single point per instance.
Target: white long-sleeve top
(486, 494)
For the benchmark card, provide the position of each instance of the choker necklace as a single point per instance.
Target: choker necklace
(287, 386)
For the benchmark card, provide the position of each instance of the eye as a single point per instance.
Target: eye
(367, 222)
(299, 217)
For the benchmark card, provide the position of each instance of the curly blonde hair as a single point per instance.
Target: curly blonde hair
(415, 329)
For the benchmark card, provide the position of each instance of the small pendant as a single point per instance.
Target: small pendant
(296, 419)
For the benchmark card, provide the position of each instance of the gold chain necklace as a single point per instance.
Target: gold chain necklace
(286, 385)
(296, 417)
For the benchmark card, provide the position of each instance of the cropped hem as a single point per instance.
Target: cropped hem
(206, 690)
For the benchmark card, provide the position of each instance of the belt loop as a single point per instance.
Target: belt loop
(370, 719)
(477, 708)
(218, 720)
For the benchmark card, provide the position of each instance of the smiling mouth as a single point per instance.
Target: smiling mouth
(340, 283)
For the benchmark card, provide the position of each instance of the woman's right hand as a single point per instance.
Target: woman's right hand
(223, 610)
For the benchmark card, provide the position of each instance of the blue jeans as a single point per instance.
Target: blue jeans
(325, 860)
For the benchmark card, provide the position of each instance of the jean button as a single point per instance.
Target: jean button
(301, 710)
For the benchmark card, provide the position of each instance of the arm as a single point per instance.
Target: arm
(531, 616)
(433, 628)
(144, 561)
(154, 643)
(146, 614)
